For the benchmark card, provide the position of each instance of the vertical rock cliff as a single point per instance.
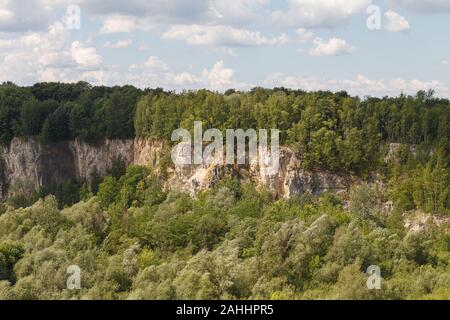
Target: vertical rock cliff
(290, 180)
(41, 165)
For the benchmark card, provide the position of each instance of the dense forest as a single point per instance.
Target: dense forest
(135, 239)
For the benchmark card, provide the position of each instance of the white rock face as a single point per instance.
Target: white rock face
(418, 221)
(288, 181)
(20, 161)
(88, 158)
(32, 163)
(39, 165)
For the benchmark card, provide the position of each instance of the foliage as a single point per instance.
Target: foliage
(58, 111)
(332, 131)
(176, 247)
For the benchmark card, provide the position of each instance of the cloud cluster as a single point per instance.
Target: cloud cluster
(51, 56)
(304, 35)
(24, 15)
(117, 23)
(120, 44)
(423, 6)
(155, 72)
(330, 47)
(163, 12)
(396, 22)
(319, 14)
(360, 85)
(85, 56)
(46, 56)
(35, 47)
(214, 23)
(220, 36)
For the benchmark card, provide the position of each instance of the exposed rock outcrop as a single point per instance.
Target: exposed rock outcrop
(418, 221)
(290, 180)
(40, 165)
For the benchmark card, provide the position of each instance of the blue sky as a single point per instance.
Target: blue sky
(221, 44)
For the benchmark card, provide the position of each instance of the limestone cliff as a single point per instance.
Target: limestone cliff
(289, 180)
(40, 165)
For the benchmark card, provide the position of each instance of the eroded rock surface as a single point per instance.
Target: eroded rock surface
(40, 165)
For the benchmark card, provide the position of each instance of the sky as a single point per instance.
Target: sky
(366, 47)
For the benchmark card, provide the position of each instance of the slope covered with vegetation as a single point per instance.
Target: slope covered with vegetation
(132, 239)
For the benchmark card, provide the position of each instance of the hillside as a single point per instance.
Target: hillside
(87, 180)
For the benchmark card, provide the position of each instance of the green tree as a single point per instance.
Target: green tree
(108, 191)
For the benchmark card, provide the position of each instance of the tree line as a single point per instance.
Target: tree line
(57, 111)
(332, 130)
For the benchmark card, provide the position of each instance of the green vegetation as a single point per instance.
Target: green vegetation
(133, 239)
(232, 242)
(56, 111)
(333, 131)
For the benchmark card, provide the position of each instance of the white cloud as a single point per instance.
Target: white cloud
(423, 6)
(227, 51)
(85, 56)
(396, 22)
(118, 45)
(220, 36)
(7, 17)
(155, 72)
(27, 56)
(183, 79)
(24, 15)
(46, 56)
(330, 47)
(125, 24)
(56, 59)
(52, 56)
(118, 24)
(46, 51)
(239, 12)
(155, 64)
(108, 75)
(164, 11)
(219, 77)
(360, 85)
(412, 86)
(144, 15)
(317, 14)
(445, 62)
(304, 35)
